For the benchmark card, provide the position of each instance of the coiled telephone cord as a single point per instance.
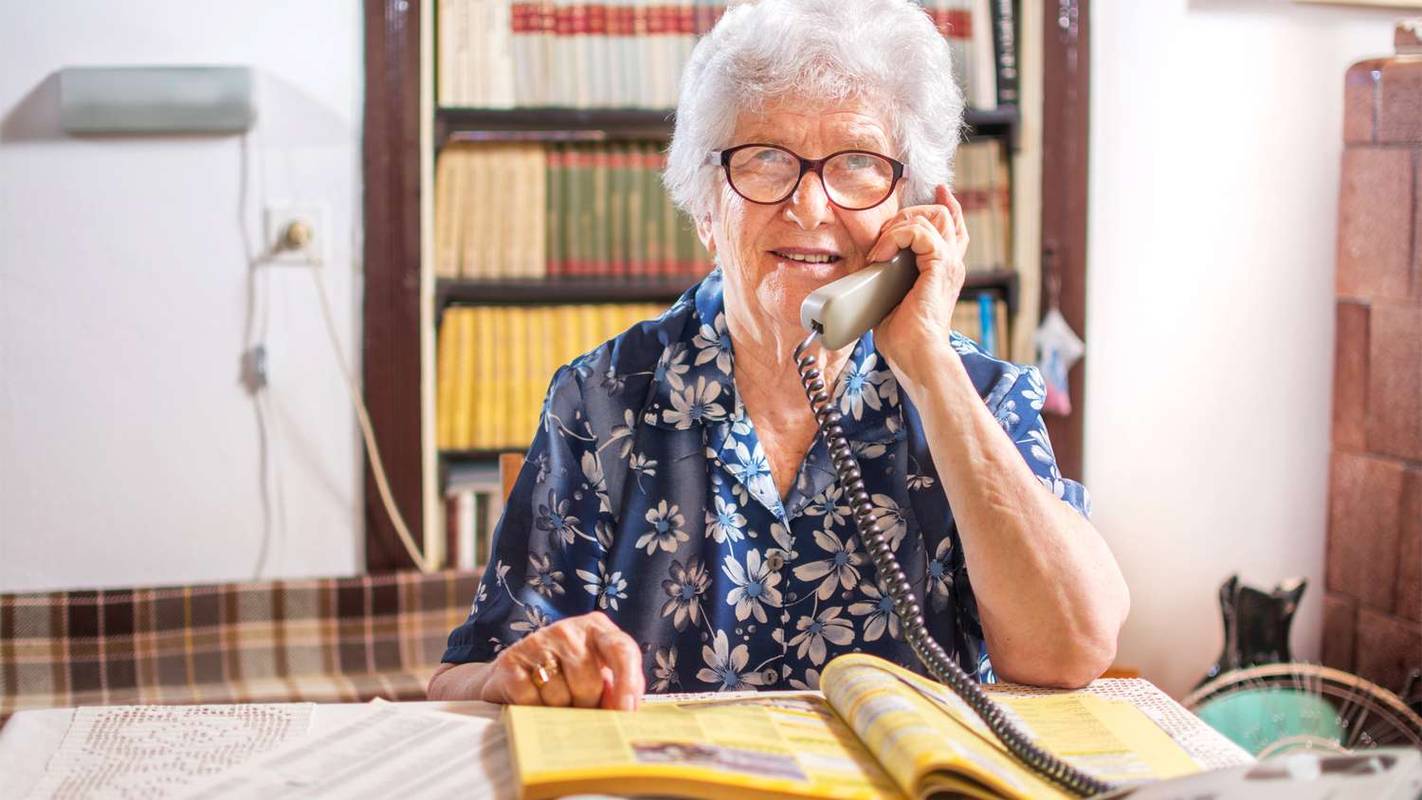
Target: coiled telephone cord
(930, 653)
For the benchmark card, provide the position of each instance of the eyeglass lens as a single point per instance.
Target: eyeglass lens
(852, 180)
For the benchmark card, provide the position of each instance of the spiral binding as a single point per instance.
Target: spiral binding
(930, 653)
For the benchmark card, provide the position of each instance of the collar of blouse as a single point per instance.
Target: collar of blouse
(693, 385)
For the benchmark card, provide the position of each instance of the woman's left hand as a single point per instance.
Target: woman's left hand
(917, 331)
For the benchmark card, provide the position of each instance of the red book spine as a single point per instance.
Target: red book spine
(685, 20)
(657, 21)
(954, 23)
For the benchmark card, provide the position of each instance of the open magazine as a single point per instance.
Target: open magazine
(874, 730)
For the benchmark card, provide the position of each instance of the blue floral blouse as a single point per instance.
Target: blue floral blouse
(646, 495)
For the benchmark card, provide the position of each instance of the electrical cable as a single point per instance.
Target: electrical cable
(377, 465)
(930, 653)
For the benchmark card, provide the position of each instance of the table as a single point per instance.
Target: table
(30, 738)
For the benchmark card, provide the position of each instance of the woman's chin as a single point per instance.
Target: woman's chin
(790, 282)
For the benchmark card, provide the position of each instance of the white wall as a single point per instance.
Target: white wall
(1216, 130)
(129, 451)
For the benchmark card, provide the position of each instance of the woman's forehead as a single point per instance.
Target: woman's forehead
(839, 126)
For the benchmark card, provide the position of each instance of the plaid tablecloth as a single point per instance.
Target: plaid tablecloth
(328, 640)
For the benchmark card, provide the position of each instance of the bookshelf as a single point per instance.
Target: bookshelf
(598, 124)
(405, 303)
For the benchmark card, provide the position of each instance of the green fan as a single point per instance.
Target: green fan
(1270, 705)
(1279, 708)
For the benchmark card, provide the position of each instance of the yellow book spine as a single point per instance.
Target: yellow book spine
(498, 372)
(483, 370)
(445, 382)
(587, 328)
(461, 322)
(544, 356)
(517, 410)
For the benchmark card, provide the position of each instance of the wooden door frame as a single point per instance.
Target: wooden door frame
(1066, 65)
(390, 352)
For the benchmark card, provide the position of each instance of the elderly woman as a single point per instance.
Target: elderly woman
(678, 525)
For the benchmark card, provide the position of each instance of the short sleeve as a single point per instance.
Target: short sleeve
(1020, 413)
(547, 533)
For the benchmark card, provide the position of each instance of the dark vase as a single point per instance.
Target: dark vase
(1256, 625)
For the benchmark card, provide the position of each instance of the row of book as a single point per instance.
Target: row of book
(571, 53)
(984, 319)
(548, 210)
(473, 503)
(493, 365)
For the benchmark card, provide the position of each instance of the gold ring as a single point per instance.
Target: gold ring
(544, 672)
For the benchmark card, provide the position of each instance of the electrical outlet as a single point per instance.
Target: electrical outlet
(296, 235)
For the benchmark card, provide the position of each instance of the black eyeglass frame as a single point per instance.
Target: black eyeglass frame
(722, 158)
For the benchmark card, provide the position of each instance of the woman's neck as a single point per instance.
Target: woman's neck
(765, 368)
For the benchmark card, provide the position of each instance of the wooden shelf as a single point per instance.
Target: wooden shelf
(623, 124)
(460, 291)
(478, 454)
(456, 291)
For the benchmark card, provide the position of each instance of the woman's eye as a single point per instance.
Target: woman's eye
(858, 161)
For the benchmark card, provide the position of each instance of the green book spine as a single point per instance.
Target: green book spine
(601, 229)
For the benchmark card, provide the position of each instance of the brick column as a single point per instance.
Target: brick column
(1373, 602)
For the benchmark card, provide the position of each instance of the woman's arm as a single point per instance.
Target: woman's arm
(458, 681)
(1050, 595)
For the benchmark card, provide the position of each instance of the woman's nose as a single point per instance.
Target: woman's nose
(809, 204)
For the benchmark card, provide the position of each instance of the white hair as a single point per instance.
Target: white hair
(821, 52)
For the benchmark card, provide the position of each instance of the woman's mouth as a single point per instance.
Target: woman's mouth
(806, 258)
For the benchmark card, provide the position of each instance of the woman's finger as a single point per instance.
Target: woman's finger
(509, 682)
(554, 691)
(917, 233)
(616, 650)
(580, 667)
(960, 227)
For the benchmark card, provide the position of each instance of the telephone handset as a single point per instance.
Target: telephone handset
(842, 311)
(838, 314)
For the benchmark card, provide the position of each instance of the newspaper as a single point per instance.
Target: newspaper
(387, 751)
(158, 751)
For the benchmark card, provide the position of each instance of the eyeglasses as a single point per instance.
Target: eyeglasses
(767, 174)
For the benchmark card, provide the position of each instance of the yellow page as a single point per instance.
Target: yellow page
(912, 737)
(782, 746)
(1111, 740)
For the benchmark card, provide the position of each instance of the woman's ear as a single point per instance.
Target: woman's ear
(704, 232)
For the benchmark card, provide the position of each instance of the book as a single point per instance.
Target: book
(982, 93)
(568, 53)
(494, 364)
(473, 502)
(1004, 26)
(987, 323)
(873, 730)
(982, 184)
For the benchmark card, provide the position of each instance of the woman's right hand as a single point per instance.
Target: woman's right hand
(597, 665)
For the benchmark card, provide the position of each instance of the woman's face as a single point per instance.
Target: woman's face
(760, 247)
